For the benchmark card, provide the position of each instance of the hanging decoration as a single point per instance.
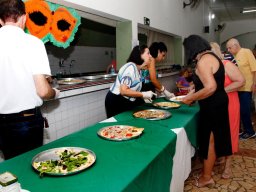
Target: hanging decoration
(38, 19)
(51, 22)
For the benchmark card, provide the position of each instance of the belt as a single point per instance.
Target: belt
(24, 113)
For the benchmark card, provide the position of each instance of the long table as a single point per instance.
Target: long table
(142, 164)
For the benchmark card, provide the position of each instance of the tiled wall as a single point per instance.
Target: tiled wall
(71, 114)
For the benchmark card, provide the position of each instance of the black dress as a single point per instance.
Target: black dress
(214, 117)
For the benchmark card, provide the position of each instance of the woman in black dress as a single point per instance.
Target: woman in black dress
(213, 131)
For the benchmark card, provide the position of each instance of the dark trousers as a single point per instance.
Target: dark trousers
(116, 104)
(21, 132)
(245, 99)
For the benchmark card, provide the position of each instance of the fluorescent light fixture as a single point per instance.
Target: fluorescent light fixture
(211, 16)
(249, 10)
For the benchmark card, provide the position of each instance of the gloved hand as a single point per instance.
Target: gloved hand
(168, 94)
(57, 93)
(147, 95)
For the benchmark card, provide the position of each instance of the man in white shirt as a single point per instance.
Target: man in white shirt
(24, 67)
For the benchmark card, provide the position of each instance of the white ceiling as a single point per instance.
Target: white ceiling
(230, 10)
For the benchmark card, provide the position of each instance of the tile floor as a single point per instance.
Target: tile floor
(243, 170)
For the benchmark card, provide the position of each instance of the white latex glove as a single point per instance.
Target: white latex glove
(147, 95)
(168, 94)
(57, 93)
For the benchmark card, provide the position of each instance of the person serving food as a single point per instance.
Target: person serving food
(125, 93)
(158, 51)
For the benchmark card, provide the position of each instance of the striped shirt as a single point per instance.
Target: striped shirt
(130, 76)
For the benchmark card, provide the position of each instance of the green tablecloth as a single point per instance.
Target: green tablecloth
(185, 116)
(142, 164)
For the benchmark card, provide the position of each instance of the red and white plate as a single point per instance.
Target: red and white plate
(120, 132)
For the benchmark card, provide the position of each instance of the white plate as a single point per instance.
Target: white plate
(177, 98)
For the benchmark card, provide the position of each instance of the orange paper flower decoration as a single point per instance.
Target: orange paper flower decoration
(39, 18)
(63, 24)
(50, 21)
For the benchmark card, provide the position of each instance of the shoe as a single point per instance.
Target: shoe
(225, 175)
(220, 161)
(241, 133)
(209, 184)
(198, 175)
(247, 136)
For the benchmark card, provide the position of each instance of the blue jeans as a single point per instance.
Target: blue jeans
(19, 133)
(245, 99)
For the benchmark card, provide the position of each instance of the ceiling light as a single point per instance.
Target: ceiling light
(249, 10)
(211, 16)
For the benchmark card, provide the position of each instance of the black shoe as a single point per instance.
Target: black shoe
(241, 133)
(247, 136)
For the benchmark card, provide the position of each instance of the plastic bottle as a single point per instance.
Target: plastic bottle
(112, 70)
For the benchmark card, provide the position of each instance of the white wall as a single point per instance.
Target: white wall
(247, 40)
(235, 28)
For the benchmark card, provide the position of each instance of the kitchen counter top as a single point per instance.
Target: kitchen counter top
(88, 86)
(94, 85)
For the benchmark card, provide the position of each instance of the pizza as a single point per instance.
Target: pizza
(65, 161)
(120, 132)
(167, 105)
(150, 114)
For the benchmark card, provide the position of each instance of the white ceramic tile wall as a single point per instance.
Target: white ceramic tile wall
(70, 114)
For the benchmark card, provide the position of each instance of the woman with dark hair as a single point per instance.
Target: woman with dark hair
(125, 93)
(158, 52)
(213, 131)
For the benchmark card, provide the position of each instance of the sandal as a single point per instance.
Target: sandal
(226, 174)
(220, 161)
(209, 184)
(198, 175)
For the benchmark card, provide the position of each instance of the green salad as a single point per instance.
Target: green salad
(70, 161)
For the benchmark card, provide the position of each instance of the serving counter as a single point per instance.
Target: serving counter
(147, 163)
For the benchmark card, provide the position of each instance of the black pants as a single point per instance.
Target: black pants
(21, 132)
(116, 104)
